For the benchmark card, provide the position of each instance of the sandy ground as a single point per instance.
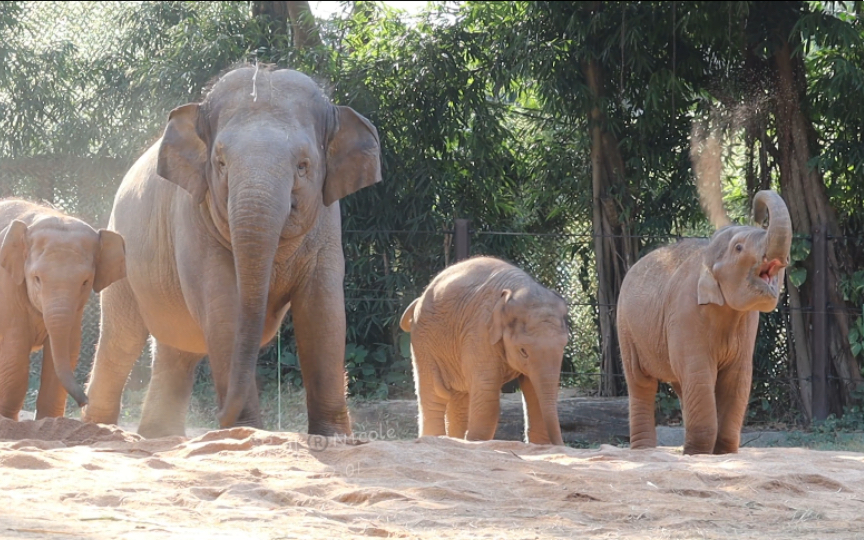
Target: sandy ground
(63, 479)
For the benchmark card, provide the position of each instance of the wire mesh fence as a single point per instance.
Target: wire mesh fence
(387, 268)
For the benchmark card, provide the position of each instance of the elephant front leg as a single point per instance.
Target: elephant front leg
(14, 373)
(168, 395)
(318, 312)
(699, 406)
(732, 395)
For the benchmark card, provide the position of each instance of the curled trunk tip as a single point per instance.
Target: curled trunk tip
(779, 240)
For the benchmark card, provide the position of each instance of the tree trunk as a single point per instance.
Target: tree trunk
(614, 250)
(804, 192)
(299, 14)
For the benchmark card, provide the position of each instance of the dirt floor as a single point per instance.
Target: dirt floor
(63, 479)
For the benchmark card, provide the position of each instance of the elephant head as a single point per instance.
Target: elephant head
(61, 261)
(531, 323)
(262, 155)
(743, 266)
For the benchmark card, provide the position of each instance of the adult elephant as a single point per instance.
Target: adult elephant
(231, 218)
(688, 314)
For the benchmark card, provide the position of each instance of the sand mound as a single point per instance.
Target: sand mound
(246, 483)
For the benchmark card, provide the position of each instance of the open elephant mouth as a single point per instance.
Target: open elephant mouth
(769, 273)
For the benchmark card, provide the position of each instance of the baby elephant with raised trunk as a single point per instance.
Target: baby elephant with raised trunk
(50, 262)
(688, 314)
(479, 324)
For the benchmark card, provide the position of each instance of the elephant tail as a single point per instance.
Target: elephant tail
(408, 316)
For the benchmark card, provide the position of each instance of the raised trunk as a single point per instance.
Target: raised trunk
(61, 320)
(804, 191)
(779, 226)
(256, 218)
(614, 250)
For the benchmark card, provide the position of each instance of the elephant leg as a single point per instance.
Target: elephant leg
(732, 395)
(699, 406)
(51, 402)
(14, 374)
(121, 339)
(642, 390)
(167, 399)
(318, 312)
(535, 426)
(457, 415)
(483, 411)
(432, 403)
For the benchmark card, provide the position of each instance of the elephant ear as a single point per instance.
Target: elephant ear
(708, 290)
(496, 326)
(183, 153)
(13, 250)
(111, 265)
(353, 156)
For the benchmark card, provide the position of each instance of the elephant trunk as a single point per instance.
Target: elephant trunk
(61, 318)
(546, 386)
(779, 238)
(256, 217)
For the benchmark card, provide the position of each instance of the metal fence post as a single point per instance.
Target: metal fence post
(463, 239)
(820, 323)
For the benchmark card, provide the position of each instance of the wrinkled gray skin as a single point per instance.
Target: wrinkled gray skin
(49, 263)
(230, 219)
(688, 315)
(479, 324)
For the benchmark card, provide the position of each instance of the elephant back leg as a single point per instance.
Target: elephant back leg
(122, 337)
(168, 395)
(432, 398)
(457, 415)
(642, 389)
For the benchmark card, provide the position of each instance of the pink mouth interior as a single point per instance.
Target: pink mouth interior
(770, 269)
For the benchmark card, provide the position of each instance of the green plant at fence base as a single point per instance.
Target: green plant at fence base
(667, 406)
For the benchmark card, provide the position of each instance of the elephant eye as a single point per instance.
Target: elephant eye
(37, 280)
(523, 352)
(303, 167)
(738, 247)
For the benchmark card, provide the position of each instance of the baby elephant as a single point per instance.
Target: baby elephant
(479, 324)
(50, 262)
(688, 314)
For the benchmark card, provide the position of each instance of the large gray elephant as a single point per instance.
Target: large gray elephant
(688, 314)
(49, 263)
(231, 218)
(479, 324)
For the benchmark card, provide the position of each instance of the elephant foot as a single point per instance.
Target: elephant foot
(643, 445)
(726, 447)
